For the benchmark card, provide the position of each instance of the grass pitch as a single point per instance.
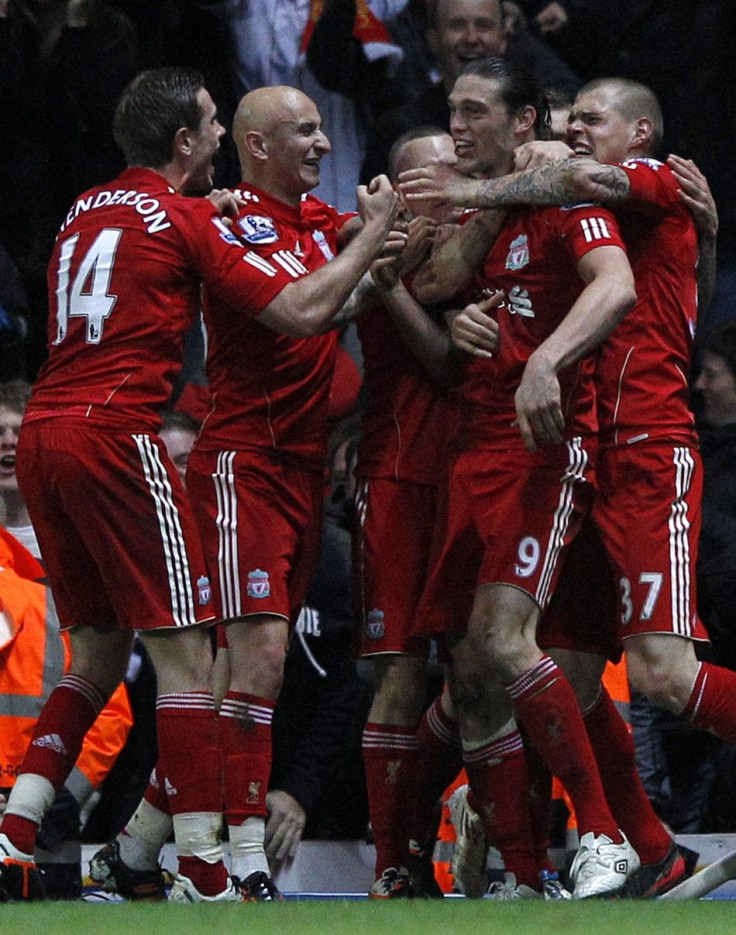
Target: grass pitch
(360, 917)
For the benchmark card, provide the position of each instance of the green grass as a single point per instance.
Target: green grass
(320, 917)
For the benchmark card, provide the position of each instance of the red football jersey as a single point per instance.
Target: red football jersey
(534, 261)
(270, 390)
(406, 422)
(124, 286)
(644, 365)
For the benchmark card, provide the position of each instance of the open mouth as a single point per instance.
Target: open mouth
(580, 149)
(7, 464)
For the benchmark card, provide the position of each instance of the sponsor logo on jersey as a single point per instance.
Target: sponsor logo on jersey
(374, 625)
(259, 584)
(518, 253)
(519, 302)
(321, 241)
(204, 590)
(258, 229)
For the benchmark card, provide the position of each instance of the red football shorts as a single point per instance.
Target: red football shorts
(635, 572)
(510, 517)
(583, 614)
(261, 522)
(392, 541)
(648, 515)
(117, 535)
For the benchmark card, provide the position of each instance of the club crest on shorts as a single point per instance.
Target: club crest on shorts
(258, 229)
(259, 584)
(518, 255)
(374, 625)
(204, 591)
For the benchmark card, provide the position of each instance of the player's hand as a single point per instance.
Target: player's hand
(513, 18)
(421, 234)
(78, 13)
(551, 19)
(436, 184)
(284, 825)
(540, 153)
(474, 330)
(378, 203)
(396, 239)
(696, 193)
(385, 273)
(538, 406)
(226, 202)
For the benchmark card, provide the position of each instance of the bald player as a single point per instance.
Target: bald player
(255, 474)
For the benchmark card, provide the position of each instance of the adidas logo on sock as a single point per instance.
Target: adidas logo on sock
(52, 741)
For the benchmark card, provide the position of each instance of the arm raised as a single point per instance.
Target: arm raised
(311, 304)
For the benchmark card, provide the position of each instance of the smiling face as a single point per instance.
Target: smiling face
(484, 131)
(294, 144)
(597, 128)
(465, 30)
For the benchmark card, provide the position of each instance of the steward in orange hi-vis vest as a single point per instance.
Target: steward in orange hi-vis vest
(33, 657)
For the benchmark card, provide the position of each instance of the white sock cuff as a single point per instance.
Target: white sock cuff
(199, 834)
(30, 797)
(150, 824)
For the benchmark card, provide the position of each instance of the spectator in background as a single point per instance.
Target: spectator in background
(269, 46)
(21, 155)
(89, 55)
(459, 31)
(14, 312)
(717, 557)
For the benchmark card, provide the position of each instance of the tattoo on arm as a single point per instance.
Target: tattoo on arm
(557, 183)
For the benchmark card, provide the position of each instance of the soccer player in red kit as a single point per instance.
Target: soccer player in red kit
(115, 529)
(256, 473)
(402, 459)
(513, 506)
(649, 465)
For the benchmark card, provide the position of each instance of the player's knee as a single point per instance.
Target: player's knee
(658, 681)
(505, 652)
(272, 659)
(400, 687)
